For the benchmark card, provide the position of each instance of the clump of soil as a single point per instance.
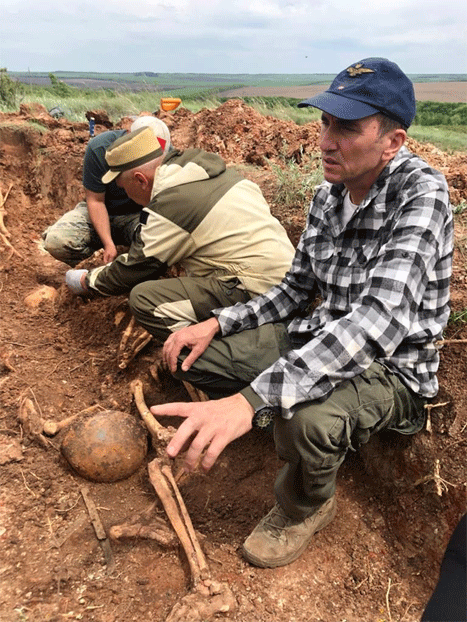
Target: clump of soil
(399, 499)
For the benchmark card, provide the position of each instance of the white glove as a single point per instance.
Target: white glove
(73, 280)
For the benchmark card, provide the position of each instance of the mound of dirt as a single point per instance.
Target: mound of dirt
(399, 499)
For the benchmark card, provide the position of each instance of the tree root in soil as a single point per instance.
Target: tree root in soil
(5, 235)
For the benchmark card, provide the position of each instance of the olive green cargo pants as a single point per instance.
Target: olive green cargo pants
(315, 440)
(167, 305)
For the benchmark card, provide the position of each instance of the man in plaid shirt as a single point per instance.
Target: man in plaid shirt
(345, 345)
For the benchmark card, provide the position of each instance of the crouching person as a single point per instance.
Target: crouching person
(199, 215)
(377, 252)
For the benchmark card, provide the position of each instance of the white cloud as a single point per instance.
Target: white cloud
(256, 36)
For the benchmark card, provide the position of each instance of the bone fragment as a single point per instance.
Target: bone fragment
(171, 509)
(158, 432)
(128, 353)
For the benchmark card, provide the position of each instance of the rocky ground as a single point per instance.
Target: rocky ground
(399, 499)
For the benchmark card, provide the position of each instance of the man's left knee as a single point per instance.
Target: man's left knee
(315, 431)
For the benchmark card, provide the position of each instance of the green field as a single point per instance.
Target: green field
(443, 123)
(182, 81)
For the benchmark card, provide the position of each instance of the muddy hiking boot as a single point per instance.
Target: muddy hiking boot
(278, 540)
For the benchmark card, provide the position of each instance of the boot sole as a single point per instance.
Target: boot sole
(288, 559)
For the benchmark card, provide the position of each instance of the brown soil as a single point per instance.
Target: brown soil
(399, 500)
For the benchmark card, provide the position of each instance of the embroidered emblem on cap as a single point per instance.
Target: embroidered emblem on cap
(358, 69)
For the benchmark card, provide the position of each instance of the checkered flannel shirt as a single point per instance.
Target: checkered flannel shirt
(383, 281)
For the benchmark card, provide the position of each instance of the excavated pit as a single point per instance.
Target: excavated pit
(379, 558)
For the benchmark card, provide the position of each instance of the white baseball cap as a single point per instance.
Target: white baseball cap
(159, 128)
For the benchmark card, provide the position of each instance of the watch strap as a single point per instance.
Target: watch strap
(252, 398)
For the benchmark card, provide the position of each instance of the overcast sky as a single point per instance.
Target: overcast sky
(231, 36)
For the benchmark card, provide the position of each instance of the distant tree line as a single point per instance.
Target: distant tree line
(440, 113)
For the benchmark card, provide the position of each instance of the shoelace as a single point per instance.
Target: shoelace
(275, 526)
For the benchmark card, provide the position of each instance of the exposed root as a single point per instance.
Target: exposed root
(443, 342)
(429, 408)
(441, 485)
(5, 235)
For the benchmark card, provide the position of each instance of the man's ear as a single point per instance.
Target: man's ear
(396, 140)
(141, 179)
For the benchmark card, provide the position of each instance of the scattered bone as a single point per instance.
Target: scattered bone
(196, 561)
(146, 525)
(51, 427)
(127, 350)
(198, 553)
(160, 435)
(157, 531)
(35, 426)
(31, 422)
(5, 361)
(10, 450)
(119, 317)
(429, 408)
(196, 394)
(206, 597)
(202, 603)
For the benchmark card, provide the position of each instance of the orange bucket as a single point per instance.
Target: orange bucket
(170, 103)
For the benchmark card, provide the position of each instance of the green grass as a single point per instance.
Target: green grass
(460, 209)
(296, 184)
(458, 317)
(284, 108)
(192, 90)
(447, 138)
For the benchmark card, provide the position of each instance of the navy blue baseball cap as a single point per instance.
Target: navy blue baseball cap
(372, 85)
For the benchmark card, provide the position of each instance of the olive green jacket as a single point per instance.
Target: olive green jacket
(206, 218)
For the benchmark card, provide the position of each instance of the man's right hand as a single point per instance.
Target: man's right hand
(110, 252)
(210, 425)
(196, 337)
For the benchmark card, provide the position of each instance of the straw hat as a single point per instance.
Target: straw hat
(131, 150)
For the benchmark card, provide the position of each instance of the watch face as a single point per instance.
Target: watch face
(263, 417)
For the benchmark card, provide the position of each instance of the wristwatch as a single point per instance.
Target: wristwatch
(264, 415)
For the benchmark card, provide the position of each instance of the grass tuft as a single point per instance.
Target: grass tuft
(296, 184)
